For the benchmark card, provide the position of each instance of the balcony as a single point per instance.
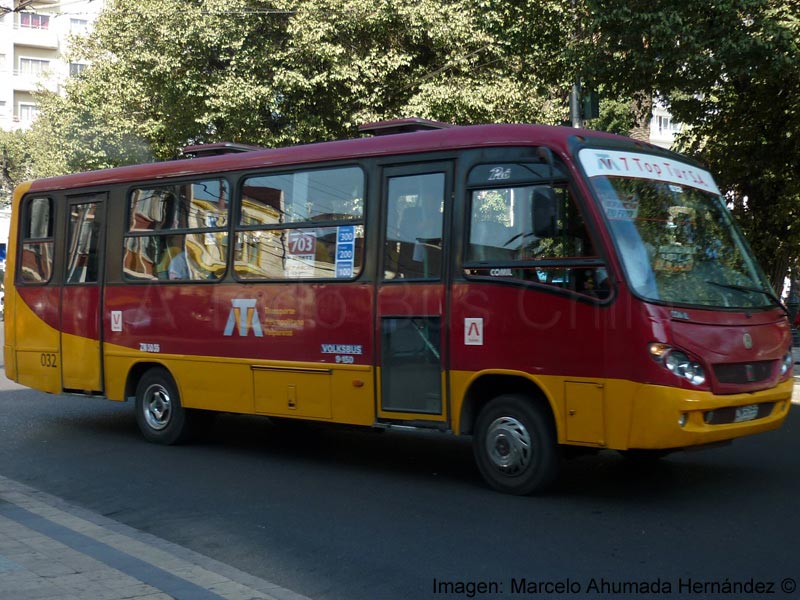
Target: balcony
(30, 82)
(35, 37)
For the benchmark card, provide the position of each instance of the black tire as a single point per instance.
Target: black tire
(515, 445)
(159, 413)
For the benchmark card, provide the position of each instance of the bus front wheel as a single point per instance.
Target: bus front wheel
(159, 413)
(515, 445)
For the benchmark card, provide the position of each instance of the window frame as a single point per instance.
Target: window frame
(99, 202)
(387, 224)
(42, 65)
(300, 226)
(164, 233)
(31, 110)
(472, 270)
(24, 239)
(35, 20)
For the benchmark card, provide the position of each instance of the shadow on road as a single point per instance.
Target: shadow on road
(335, 451)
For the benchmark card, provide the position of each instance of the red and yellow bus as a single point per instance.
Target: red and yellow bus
(534, 287)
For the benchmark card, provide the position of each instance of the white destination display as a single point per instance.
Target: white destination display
(614, 163)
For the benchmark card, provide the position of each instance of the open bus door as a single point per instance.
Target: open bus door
(412, 294)
(81, 295)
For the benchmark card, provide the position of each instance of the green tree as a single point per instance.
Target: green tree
(728, 70)
(14, 163)
(240, 70)
(167, 74)
(746, 125)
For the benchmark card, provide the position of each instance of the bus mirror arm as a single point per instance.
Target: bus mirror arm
(546, 155)
(545, 204)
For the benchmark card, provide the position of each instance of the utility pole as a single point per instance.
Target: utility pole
(575, 103)
(575, 95)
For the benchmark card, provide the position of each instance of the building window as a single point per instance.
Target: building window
(34, 21)
(33, 66)
(665, 124)
(76, 69)
(78, 26)
(27, 112)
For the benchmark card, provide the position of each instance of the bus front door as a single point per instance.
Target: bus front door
(81, 296)
(412, 294)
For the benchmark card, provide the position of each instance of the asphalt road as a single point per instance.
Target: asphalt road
(347, 515)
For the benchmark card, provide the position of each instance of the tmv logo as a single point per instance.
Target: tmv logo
(606, 163)
(243, 312)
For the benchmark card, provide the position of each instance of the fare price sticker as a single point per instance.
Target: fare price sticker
(345, 251)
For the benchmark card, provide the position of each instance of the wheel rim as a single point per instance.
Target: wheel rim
(508, 445)
(157, 406)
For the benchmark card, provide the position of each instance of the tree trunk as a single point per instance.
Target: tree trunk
(642, 109)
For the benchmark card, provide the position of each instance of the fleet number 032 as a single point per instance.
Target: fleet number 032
(48, 359)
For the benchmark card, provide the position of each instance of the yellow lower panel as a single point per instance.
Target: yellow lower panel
(10, 360)
(37, 348)
(292, 392)
(39, 370)
(80, 363)
(585, 422)
(345, 394)
(621, 414)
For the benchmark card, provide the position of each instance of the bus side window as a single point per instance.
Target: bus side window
(305, 224)
(509, 238)
(84, 240)
(36, 256)
(178, 232)
(413, 246)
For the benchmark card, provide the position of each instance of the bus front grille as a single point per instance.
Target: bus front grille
(751, 372)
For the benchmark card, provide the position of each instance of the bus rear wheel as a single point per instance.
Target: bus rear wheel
(515, 445)
(159, 413)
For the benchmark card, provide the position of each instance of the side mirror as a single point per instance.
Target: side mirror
(545, 212)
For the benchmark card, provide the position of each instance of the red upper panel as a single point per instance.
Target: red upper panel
(477, 136)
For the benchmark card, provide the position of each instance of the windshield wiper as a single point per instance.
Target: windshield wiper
(747, 288)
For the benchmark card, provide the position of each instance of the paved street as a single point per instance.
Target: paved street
(90, 510)
(50, 549)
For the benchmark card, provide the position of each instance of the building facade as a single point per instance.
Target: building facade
(34, 38)
(663, 128)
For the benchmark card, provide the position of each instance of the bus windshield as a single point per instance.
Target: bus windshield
(675, 237)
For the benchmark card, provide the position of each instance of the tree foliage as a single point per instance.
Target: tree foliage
(240, 70)
(746, 125)
(15, 163)
(728, 69)
(166, 74)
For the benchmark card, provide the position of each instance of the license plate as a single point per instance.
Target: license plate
(746, 413)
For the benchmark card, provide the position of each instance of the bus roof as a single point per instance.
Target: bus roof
(452, 138)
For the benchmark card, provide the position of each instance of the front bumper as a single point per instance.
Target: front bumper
(658, 412)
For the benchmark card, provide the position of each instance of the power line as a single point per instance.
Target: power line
(22, 5)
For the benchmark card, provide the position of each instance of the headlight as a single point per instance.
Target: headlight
(679, 363)
(788, 364)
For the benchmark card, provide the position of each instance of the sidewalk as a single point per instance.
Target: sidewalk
(50, 550)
